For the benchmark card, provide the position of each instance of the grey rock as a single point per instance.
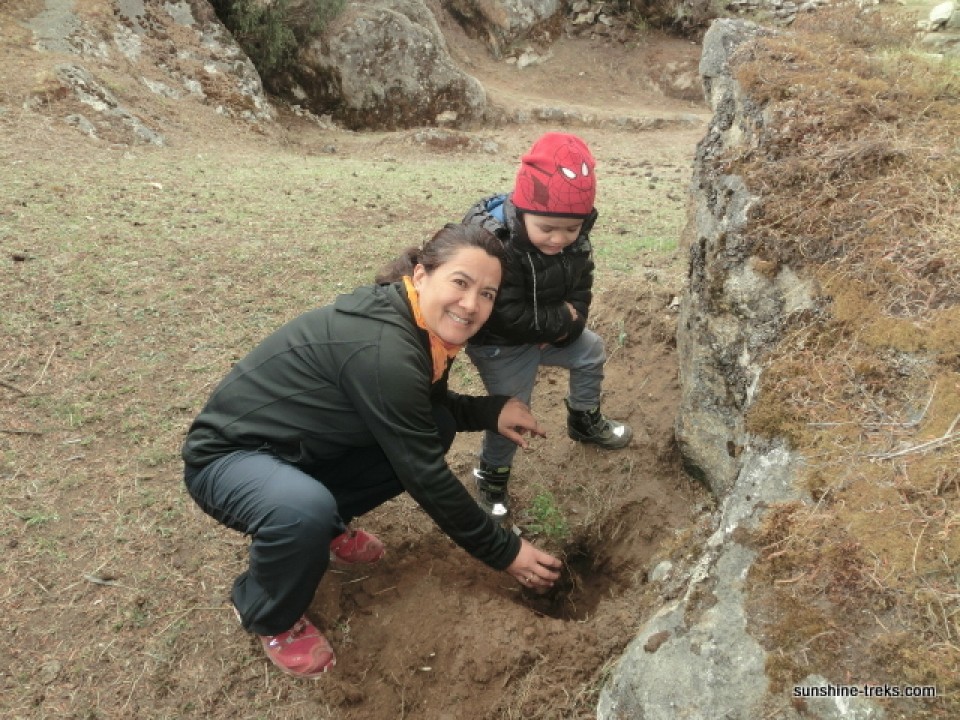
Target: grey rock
(54, 26)
(696, 658)
(81, 123)
(705, 663)
(503, 23)
(93, 94)
(383, 65)
(134, 45)
(944, 16)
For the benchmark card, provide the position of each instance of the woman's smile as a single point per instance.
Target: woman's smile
(457, 298)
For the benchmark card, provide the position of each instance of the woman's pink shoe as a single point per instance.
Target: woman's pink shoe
(357, 546)
(301, 651)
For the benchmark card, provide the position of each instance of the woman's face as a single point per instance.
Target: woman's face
(457, 297)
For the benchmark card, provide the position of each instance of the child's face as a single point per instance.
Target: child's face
(550, 235)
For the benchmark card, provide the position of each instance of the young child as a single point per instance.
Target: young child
(541, 311)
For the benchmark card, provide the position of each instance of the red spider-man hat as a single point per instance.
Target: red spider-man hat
(556, 177)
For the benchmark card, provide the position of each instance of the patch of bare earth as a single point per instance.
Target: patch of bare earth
(433, 634)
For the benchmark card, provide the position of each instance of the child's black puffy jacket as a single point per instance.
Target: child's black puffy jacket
(531, 305)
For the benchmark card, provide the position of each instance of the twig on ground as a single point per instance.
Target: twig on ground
(916, 547)
(13, 431)
(133, 687)
(180, 614)
(107, 582)
(99, 580)
(40, 585)
(927, 406)
(355, 580)
(788, 581)
(43, 370)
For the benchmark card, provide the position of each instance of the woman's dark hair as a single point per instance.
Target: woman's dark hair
(439, 249)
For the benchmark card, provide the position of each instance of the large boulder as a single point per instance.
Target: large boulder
(382, 65)
(943, 29)
(700, 655)
(733, 309)
(502, 23)
(695, 658)
(945, 16)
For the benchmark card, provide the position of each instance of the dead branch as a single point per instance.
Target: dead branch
(43, 371)
(948, 437)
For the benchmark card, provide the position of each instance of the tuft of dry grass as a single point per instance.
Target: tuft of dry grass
(857, 170)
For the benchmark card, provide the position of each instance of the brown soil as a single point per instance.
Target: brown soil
(428, 633)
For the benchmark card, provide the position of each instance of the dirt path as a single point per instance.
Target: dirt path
(645, 75)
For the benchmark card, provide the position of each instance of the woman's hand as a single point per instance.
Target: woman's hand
(534, 568)
(515, 420)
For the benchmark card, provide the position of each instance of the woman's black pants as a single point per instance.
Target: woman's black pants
(291, 517)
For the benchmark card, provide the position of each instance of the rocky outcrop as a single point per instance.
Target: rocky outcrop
(502, 23)
(781, 12)
(174, 50)
(696, 658)
(383, 65)
(945, 16)
(734, 309)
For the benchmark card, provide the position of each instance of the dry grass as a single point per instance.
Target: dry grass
(858, 174)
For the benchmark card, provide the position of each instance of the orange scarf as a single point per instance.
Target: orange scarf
(441, 352)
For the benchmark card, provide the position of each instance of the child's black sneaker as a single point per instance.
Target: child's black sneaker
(590, 426)
(492, 489)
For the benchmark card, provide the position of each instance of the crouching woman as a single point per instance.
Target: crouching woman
(340, 410)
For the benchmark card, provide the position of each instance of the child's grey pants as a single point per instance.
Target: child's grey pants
(512, 370)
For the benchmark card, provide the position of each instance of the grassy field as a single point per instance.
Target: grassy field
(132, 279)
(122, 265)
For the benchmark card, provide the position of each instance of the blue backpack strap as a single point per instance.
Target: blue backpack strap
(495, 207)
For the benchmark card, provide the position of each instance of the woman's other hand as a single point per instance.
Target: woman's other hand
(515, 420)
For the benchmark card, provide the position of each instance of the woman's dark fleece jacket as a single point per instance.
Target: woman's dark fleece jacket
(355, 374)
(531, 304)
